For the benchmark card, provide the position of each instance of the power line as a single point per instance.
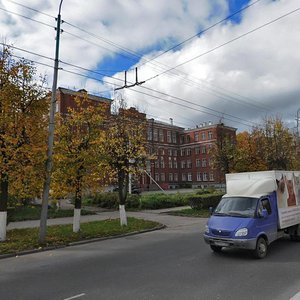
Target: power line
(203, 31)
(224, 44)
(33, 9)
(25, 17)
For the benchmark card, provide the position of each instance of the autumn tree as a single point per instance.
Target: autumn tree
(125, 148)
(276, 144)
(22, 131)
(77, 161)
(223, 152)
(248, 153)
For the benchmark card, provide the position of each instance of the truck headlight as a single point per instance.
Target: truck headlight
(242, 232)
(206, 229)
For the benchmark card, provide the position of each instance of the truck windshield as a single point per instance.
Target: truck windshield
(237, 207)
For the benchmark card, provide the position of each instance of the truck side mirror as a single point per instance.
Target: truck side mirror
(211, 210)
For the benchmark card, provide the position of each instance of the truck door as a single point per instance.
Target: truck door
(267, 224)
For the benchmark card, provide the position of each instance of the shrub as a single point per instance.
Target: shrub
(110, 200)
(204, 201)
(160, 200)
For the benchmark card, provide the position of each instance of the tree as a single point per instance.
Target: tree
(125, 148)
(276, 144)
(23, 108)
(247, 156)
(79, 136)
(224, 151)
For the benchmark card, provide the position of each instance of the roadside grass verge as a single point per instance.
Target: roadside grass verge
(33, 212)
(190, 212)
(62, 235)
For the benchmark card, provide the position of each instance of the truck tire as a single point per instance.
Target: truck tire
(216, 248)
(261, 248)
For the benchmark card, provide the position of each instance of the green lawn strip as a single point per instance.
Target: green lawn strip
(34, 213)
(59, 235)
(189, 212)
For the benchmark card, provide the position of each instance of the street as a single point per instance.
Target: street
(173, 263)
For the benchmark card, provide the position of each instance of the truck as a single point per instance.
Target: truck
(257, 209)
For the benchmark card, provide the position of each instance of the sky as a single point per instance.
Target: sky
(197, 60)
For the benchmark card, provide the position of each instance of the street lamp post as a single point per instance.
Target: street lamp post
(298, 111)
(44, 212)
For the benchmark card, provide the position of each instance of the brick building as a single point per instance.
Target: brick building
(180, 157)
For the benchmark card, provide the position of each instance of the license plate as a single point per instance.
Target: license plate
(221, 244)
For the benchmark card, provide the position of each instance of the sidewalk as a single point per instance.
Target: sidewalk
(158, 215)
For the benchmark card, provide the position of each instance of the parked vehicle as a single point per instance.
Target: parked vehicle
(257, 209)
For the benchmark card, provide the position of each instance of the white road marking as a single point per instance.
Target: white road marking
(296, 297)
(76, 296)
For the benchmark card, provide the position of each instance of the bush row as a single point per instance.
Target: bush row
(205, 201)
(198, 200)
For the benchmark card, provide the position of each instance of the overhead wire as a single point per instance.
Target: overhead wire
(139, 56)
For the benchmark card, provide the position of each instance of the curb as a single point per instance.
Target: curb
(77, 243)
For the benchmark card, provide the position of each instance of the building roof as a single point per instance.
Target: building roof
(80, 92)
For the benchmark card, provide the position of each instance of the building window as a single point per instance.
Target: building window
(203, 149)
(210, 135)
(182, 152)
(170, 176)
(203, 136)
(156, 163)
(170, 152)
(211, 176)
(197, 150)
(169, 137)
(189, 164)
(198, 163)
(162, 162)
(188, 139)
(175, 177)
(183, 177)
(162, 177)
(174, 137)
(175, 152)
(150, 134)
(170, 163)
(204, 176)
(189, 176)
(182, 139)
(161, 135)
(183, 164)
(198, 176)
(175, 165)
(156, 177)
(196, 136)
(155, 135)
(203, 162)
(188, 151)
(162, 151)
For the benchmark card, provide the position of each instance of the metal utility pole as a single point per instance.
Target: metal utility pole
(44, 212)
(298, 116)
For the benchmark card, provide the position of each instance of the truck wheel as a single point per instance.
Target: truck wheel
(261, 248)
(216, 248)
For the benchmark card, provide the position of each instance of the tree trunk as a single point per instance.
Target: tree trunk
(123, 184)
(3, 205)
(77, 207)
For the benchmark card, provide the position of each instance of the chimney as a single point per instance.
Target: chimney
(171, 121)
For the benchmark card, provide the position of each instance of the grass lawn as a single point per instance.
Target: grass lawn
(60, 235)
(189, 212)
(33, 212)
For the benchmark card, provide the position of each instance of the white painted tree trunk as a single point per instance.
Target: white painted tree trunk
(76, 220)
(123, 217)
(3, 218)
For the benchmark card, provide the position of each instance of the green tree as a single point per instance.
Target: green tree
(23, 108)
(78, 165)
(125, 148)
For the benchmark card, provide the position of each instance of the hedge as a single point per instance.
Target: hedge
(204, 201)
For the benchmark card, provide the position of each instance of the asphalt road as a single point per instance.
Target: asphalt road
(173, 263)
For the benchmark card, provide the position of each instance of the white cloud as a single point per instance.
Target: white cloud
(248, 78)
